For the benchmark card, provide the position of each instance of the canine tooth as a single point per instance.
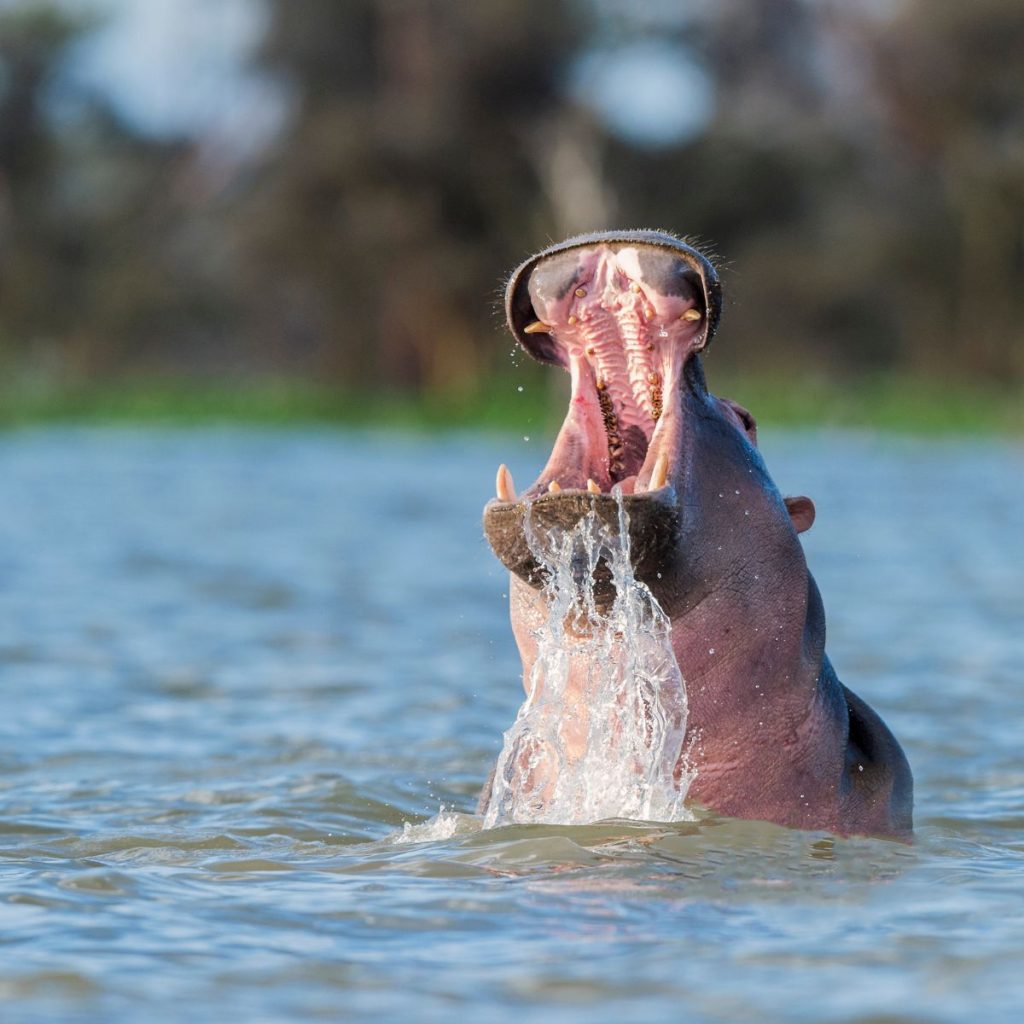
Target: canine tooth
(691, 314)
(592, 487)
(649, 313)
(635, 288)
(537, 328)
(573, 319)
(505, 486)
(660, 475)
(581, 292)
(553, 487)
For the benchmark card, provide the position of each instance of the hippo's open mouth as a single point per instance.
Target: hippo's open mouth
(621, 312)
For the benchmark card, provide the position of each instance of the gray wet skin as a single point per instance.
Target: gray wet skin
(772, 733)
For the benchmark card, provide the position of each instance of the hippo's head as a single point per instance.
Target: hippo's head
(628, 315)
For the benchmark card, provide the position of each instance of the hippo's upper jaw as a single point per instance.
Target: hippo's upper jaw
(621, 312)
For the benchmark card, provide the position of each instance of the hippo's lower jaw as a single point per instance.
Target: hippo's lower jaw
(653, 523)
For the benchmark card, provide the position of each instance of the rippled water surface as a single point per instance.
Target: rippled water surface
(240, 673)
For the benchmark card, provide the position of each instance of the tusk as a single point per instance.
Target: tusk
(505, 485)
(660, 475)
(536, 328)
(592, 487)
(693, 315)
(554, 487)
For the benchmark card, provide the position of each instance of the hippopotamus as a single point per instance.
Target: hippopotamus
(772, 734)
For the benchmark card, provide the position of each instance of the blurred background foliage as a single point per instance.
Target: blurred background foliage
(320, 198)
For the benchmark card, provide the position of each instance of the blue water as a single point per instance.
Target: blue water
(240, 674)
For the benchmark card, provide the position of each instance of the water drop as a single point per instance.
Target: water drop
(520, 388)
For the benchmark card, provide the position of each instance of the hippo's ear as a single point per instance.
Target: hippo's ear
(743, 419)
(801, 513)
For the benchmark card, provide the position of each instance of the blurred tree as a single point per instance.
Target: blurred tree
(31, 43)
(951, 77)
(95, 276)
(409, 180)
(860, 173)
(864, 175)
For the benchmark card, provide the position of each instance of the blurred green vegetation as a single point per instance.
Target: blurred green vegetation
(882, 402)
(859, 175)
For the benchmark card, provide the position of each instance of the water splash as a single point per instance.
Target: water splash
(602, 730)
(444, 825)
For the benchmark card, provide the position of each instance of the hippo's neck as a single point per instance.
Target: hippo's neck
(766, 631)
(757, 679)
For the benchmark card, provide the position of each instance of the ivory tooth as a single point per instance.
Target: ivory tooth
(592, 487)
(693, 315)
(537, 328)
(505, 486)
(553, 487)
(660, 475)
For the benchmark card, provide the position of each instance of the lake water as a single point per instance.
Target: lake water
(241, 672)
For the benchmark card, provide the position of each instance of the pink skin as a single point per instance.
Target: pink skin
(772, 733)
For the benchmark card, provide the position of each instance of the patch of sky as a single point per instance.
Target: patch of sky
(650, 92)
(176, 68)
